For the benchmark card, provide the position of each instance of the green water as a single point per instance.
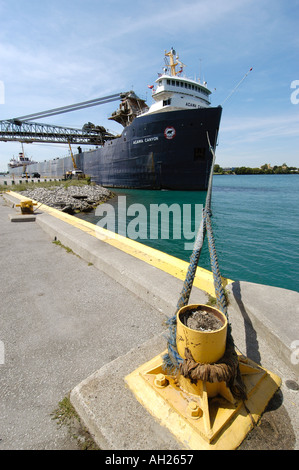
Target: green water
(255, 223)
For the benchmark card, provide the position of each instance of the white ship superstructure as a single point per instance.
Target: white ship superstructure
(20, 161)
(174, 91)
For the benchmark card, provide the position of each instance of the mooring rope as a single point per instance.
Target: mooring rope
(188, 283)
(226, 368)
(219, 291)
(172, 360)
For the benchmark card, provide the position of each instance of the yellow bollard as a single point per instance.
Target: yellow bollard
(203, 414)
(26, 206)
(205, 346)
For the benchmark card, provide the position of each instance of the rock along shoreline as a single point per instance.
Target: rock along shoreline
(71, 199)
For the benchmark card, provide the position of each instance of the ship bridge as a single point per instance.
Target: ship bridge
(175, 91)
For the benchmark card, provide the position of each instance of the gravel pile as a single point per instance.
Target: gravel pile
(71, 199)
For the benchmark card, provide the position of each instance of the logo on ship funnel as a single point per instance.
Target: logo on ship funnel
(169, 132)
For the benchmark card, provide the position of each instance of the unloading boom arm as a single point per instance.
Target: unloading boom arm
(36, 132)
(20, 129)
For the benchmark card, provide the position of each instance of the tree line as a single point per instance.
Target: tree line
(263, 170)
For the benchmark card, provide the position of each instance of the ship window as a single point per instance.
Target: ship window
(168, 82)
(167, 102)
(177, 83)
(173, 82)
(199, 153)
(182, 84)
(186, 85)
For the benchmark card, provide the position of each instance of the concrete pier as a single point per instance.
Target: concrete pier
(80, 324)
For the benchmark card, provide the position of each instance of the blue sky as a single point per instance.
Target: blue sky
(54, 53)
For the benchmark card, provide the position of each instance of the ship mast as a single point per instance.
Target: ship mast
(172, 64)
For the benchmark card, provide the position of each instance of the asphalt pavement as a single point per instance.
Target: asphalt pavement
(61, 320)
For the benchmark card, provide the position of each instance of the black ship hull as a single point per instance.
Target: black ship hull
(165, 150)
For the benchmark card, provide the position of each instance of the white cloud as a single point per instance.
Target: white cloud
(252, 141)
(257, 128)
(172, 17)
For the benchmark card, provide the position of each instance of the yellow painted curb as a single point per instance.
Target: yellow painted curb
(175, 267)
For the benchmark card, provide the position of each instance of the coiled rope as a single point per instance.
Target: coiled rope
(227, 368)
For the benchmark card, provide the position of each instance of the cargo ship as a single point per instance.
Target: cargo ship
(164, 146)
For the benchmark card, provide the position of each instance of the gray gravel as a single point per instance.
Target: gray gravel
(71, 199)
